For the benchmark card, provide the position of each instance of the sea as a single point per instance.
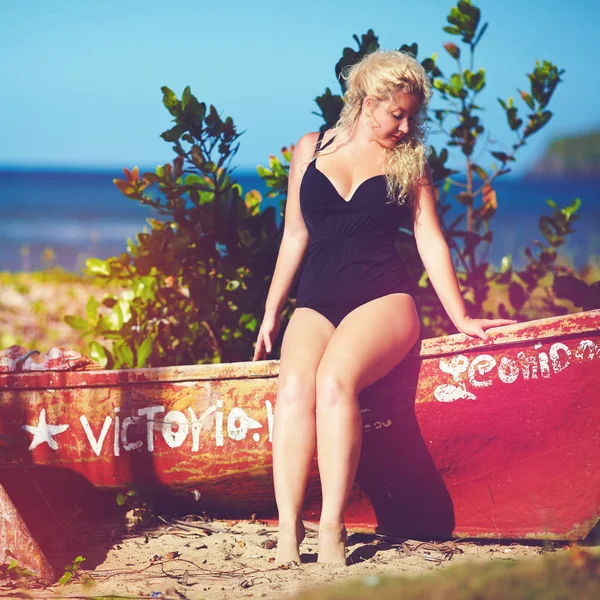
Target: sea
(64, 216)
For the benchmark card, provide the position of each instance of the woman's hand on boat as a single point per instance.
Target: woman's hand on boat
(477, 327)
(267, 333)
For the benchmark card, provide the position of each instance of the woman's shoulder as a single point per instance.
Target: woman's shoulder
(308, 141)
(304, 149)
(307, 144)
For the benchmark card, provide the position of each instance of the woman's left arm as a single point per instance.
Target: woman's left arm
(435, 254)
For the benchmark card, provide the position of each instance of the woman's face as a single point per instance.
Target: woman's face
(392, 120)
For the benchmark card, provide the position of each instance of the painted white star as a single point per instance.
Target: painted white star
(43, 433)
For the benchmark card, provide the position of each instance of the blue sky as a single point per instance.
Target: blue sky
(81, 78)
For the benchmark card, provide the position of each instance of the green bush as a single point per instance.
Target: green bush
(195, 283)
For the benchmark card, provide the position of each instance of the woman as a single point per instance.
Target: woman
(355, 319)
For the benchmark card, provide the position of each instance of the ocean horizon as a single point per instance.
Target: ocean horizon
(79, 213)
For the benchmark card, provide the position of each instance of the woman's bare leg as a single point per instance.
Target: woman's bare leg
(294, 423)
(367, 344)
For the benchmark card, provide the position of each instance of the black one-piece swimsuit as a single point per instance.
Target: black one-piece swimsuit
(351, 257)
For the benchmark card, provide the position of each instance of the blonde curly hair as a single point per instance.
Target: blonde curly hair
(381, 74)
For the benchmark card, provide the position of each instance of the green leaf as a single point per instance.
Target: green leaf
(99, 354)
(143, 352)
(480, 172)
(477, 81)
(185, 97)
(170, 101)
(537, 122)
(528, 99)
(76, 322)
(456, 82)
(97, 267)
(248, 321)
(467, 76)
(113, 320)
(65, 578)
(123, 354)
(453, 30)
(91, 308)
(173, 134)
(120, 499)
(193, 179)
(502, 156)
(572, 208)
(143, 288)
(209, 167)
(124, 309)
(264, 172)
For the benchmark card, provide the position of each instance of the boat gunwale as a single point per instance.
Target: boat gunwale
(529, 332)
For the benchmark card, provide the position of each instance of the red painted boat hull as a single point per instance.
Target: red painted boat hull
(460, 440)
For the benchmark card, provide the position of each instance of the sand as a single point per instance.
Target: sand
(222, 559)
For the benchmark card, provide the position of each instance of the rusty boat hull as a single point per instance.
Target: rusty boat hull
(462, 439)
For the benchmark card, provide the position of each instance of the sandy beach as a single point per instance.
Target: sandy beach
(192, 558)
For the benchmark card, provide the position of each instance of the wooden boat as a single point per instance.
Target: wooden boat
(462, 439)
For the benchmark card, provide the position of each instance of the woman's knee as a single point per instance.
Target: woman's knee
(296, 389)
(333, 388)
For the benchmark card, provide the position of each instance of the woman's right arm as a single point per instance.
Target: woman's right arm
(292, 249)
